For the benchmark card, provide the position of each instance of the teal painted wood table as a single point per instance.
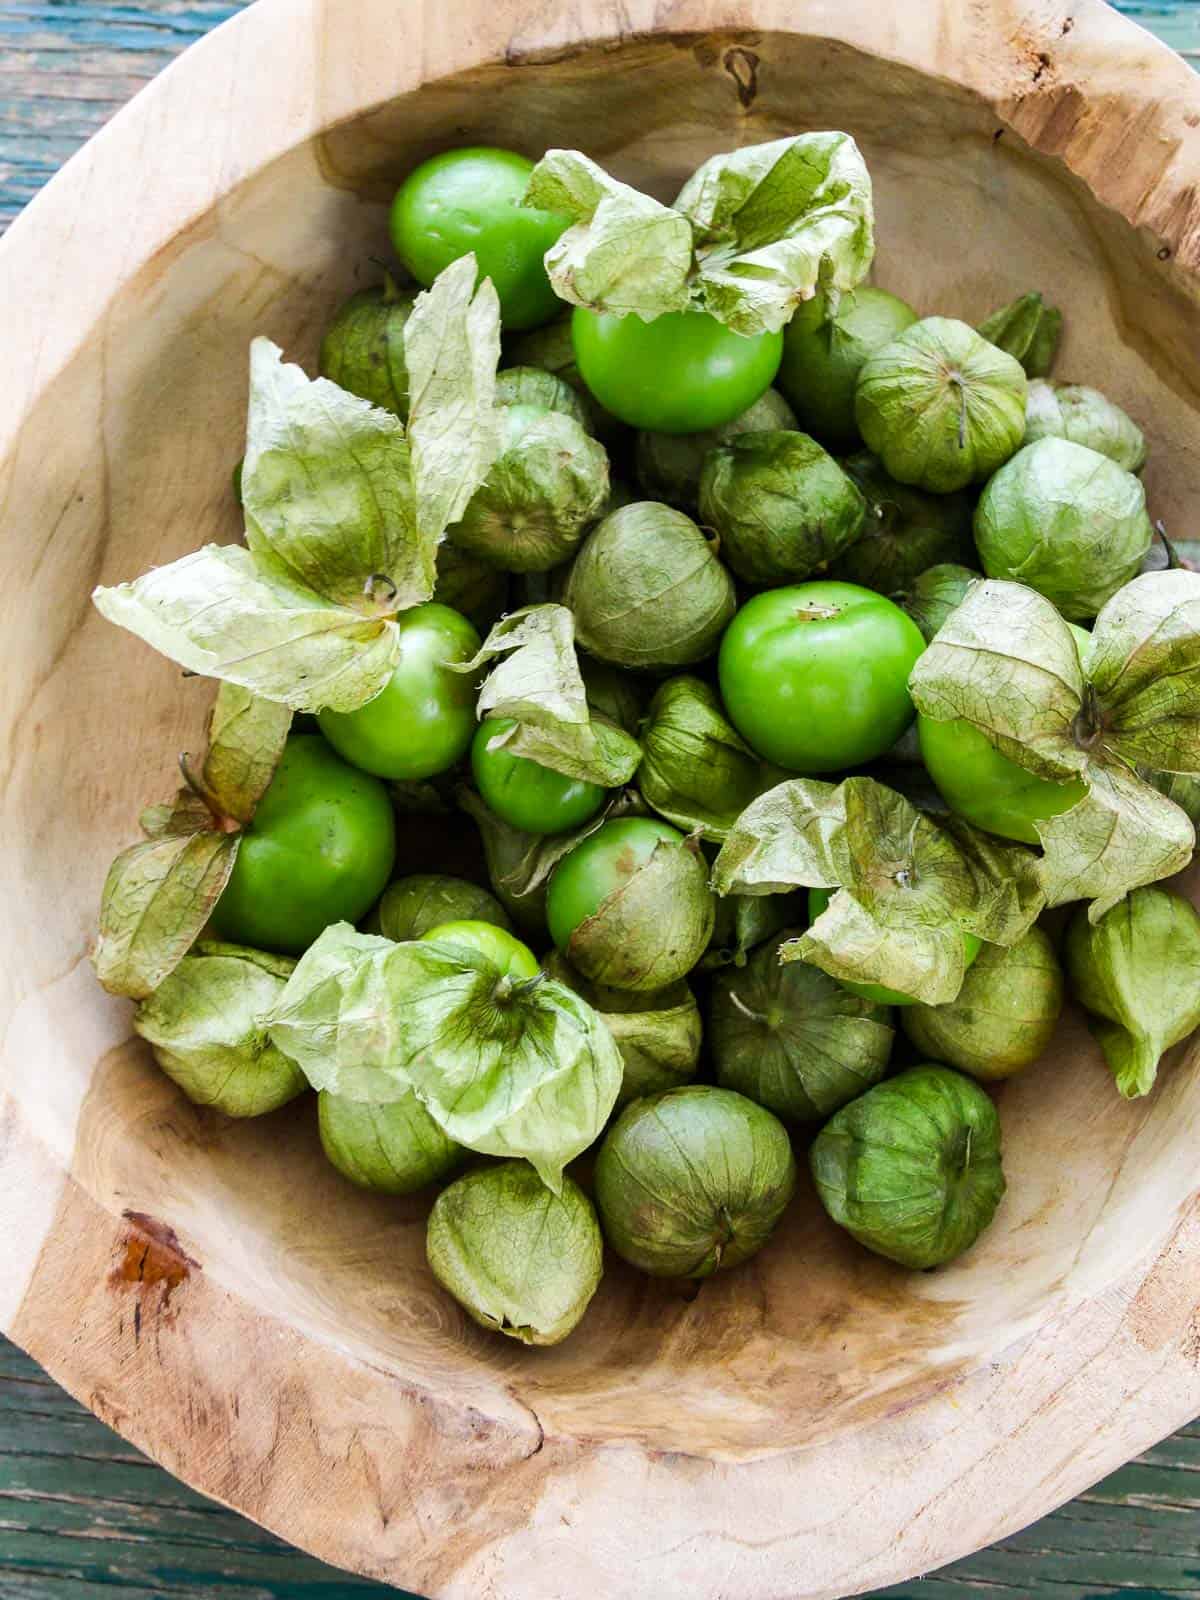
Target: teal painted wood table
(82, 1514)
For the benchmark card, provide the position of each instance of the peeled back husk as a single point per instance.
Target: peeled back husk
(203, 1024)
(648, 591)
(1005, 1015)
(548, 484)
(658, 1033)
(669, 465)
(781, 505)
(519, 1260)
(653, 929)
(911, 1169)
(691, 1182)
(1137, 970)
(792, 1038)
(392, 1148)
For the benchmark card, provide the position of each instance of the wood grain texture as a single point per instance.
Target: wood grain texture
(819, 1423)
(83, 1513)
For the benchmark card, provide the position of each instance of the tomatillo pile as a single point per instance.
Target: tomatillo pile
(661, 672)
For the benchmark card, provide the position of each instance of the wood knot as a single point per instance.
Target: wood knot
(152, 1264)
(742, 66)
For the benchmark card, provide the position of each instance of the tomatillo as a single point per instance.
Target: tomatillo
(424, 719)
(522, 792)
(470, 200)
(985, 787)
(815, 676)
(597, 867)
(683, 372)
(818, 899)
(319, 850)
(515, 960)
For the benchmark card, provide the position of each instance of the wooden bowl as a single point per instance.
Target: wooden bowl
(818, 1422)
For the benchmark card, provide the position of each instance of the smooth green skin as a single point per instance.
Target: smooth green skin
(515, 960)
(470, 200)
(818, 899)
(986, 788)
(681, 373)
(394, 1148)
(523, 793)
(822, 358)
(819, 693)
(320, 850)
(423, 721)
(597, 867)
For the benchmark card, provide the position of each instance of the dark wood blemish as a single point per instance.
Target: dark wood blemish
(742, 66)
(152, 1264)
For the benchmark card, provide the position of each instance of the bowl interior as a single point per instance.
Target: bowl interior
(126, 463)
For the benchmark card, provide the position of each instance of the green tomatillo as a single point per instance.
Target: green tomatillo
(1066, 521)
(1005, 1014)
(940, 406)
(204, 1025)
(319, 850)
(912, 1169)
(363, 347)
(682, 373)
(519, 1259)
(815, 677)
(469, 201)
(1137, 971)
(547, 485)
(630, 906)
(693, 1181)
(524, 793)
(647, 590)
(983, 785)
(781, 505)
(792, 1038)
(423, 721)
(513, 959)
(413, 905)
(823, 355)
(696, 769)
(1087, 417)
(393, 1147)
